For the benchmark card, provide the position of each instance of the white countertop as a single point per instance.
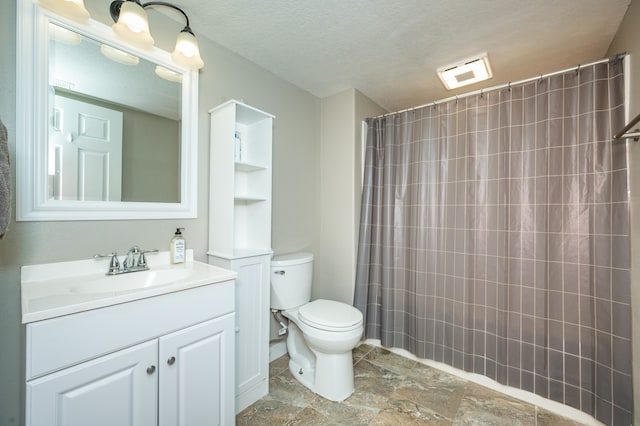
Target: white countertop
(55, 289)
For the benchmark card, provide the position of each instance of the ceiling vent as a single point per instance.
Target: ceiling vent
(466, 71)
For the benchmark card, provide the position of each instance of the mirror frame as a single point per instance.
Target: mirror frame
(32, 128)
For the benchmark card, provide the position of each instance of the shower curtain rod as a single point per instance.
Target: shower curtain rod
(508, 85)
(624, 133)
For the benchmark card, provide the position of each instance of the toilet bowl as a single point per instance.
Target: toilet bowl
(321, 334)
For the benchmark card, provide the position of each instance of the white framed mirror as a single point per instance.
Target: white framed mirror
(105, 131)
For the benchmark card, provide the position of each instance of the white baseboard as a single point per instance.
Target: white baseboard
(252, 395)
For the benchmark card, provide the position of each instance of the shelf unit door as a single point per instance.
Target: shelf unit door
(252, 326)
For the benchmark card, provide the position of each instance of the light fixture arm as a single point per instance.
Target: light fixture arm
(132, 24)
(114, 10)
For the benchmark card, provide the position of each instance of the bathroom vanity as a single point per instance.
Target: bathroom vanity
(145, 348)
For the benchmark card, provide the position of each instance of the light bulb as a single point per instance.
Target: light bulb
(133, 24)
(187, 52)
(72, 9)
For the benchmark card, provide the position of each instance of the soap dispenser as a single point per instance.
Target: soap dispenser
(178, 247)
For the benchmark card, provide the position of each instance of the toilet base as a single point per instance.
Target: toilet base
(335, 386)
(329, 375)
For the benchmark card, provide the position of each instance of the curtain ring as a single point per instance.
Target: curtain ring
(509, 86)
(578, 70)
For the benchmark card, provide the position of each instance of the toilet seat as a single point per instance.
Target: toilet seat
(330, 315)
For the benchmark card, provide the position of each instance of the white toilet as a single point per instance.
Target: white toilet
(322, 333)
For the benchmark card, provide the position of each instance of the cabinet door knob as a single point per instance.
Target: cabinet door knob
(171, 360)
(151, 370)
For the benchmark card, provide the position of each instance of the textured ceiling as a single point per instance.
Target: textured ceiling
(390, 49)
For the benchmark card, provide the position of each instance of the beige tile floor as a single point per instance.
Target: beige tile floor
(392, 390)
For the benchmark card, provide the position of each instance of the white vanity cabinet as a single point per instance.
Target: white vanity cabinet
(165, 360)
(240, 233)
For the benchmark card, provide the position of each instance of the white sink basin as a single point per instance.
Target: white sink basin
(133, 281)
(56, 289)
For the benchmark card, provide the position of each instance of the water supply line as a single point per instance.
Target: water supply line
(282, 321)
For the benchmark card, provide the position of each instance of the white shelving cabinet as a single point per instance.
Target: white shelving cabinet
(240, 188)
(240, 233)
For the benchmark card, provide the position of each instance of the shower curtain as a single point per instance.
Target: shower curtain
(494, 237)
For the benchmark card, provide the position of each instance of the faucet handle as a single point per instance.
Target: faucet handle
(114, 264)
(142, 260)
(103, 255)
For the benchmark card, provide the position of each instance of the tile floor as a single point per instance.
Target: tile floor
(392, 390)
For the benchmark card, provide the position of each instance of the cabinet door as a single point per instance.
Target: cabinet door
(196, 375)
(252, 323)
(116, 389)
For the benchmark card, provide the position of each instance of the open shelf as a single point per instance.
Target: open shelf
(240, 185)
(247, 167)
(248, 199)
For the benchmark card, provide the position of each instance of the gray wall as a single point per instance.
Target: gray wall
(628, 40)
(340, 192)
(225, 76)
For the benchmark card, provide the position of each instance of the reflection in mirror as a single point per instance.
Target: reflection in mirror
(115, 123)
(109, 130)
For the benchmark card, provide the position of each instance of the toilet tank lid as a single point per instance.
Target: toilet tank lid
(291, 259)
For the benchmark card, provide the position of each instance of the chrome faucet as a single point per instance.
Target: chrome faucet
(135, 261)
(132, 259)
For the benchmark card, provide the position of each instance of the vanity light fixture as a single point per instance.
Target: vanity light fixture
(72, 9)
(465, 72)
(132, 24)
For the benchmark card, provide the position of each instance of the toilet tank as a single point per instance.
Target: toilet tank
(291, 276)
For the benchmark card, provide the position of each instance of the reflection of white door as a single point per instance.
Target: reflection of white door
(86, 151)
